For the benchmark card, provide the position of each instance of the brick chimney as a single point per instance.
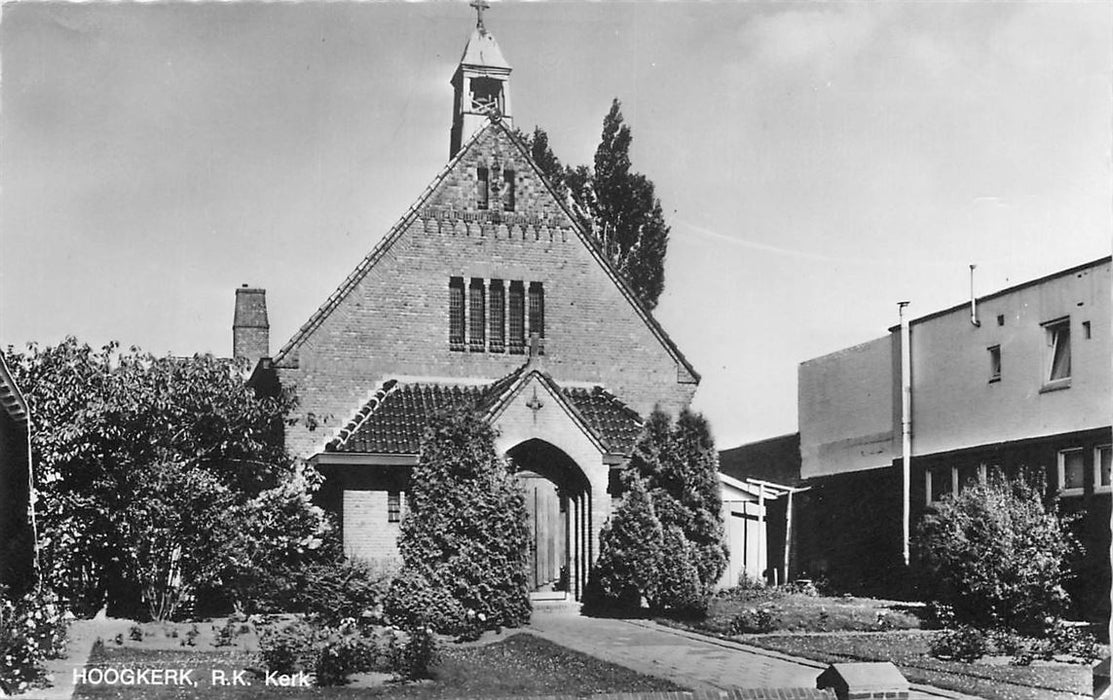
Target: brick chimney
(250, 328)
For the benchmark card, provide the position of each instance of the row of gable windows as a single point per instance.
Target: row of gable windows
(493, 317)
(508, 191)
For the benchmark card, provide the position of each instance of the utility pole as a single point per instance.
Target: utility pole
(905, 427)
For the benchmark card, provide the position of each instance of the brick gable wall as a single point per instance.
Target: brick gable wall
(394, 321)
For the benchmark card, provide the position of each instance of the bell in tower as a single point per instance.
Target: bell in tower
(481, 84)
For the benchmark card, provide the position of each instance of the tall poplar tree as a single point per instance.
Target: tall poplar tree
(617, 206)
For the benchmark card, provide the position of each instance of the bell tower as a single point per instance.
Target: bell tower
(481, 84)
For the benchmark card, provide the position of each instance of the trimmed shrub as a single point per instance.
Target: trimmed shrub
(330, 653)
(413, 602)
(961, 643)
(679, 466)
(415, 658)
(678, 585)
(287, 648)
(630, 548)
(465, 533)
(997, 555)
(341, 651)
(753, 621)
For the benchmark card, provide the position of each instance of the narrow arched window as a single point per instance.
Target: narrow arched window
(496, 296)
(509, 191)
(516, 342)
(478, 320)
(483, 187)
(536, 309)
(456, 313)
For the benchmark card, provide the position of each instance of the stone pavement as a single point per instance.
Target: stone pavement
(688, 659)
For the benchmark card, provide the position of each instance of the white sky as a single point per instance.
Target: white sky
(817, 162)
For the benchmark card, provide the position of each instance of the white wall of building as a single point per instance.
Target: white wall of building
(846, 410)
(956, 402)
(849, 400)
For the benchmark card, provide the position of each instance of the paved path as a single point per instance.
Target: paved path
(688, 659)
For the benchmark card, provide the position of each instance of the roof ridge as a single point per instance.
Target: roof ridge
(363, 413)
(655, 327)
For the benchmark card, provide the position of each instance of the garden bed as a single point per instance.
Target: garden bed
(520, 664)
(762, 610)
(990, 678)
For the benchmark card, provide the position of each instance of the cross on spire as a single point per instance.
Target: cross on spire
(480, 6)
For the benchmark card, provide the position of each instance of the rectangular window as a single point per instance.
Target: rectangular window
(995, 363)
(456, 313)
(970, 475)
(536, 309)
(939, 483)
(482, 188)
(517, 322)
(1071, 471)
(497, 328)
(393, 506)
(509, 191)
(1058, 344)
(476, 328)
(1102, 460)
(1086, 333)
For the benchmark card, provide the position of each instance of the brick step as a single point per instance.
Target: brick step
(543, 605)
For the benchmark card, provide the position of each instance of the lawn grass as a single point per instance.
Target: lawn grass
(909, 651)
(521, 664)
(830, 629)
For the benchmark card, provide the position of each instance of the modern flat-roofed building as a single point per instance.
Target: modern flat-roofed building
(1014, 380)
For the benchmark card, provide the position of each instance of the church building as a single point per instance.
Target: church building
(486, 294)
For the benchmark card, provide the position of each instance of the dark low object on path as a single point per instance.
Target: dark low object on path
(864, 681)
(1101, 678)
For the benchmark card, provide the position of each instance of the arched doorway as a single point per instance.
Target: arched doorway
(558, 506)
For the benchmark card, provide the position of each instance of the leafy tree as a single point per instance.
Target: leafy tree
(679, 465)
(618, 207)
(146, 469)
(997, 554)
(630, 550)
(465, 534)
(546, 160)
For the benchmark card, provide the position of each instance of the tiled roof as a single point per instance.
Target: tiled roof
(394, 419)
(11, 398)
(615, 423)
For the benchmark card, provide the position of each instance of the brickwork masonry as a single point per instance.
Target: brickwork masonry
(394, 319)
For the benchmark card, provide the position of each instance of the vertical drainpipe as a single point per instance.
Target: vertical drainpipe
(905, 427)
(31, 498)
(761, 567)
(973, 301)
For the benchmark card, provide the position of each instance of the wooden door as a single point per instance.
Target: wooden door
(546, 530)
